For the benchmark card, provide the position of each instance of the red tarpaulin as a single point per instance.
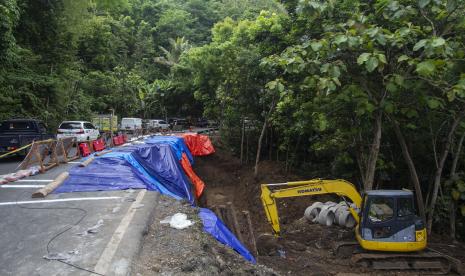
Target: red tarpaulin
(199, 185)
(198, 145)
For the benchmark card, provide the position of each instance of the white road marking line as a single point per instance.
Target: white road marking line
(34, 180)
(22, 186)
(74, 162)
(57, 200)
(104, 262)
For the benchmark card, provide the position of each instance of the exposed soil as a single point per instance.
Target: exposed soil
(190, 251)
(304, 248)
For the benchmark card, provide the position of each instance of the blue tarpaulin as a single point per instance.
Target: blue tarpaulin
(177, 142)
(104, 174)
(160, 161)
(146, 166)
(215, 227)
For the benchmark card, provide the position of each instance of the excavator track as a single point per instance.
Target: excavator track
(428, 261)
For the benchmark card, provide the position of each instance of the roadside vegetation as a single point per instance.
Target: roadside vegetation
(369, 91)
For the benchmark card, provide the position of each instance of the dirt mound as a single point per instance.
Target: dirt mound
(191, 251)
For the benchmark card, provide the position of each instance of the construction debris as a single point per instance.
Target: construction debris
(11, 177)
(177, 221)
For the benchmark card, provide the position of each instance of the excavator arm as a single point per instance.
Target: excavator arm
(306, 188)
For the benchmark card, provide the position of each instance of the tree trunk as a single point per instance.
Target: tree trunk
(287, 155)
(359, 156)
(260, 139)
(411, 168)
(270, 149)
(374, 151)
(453, 204)
(247, 148)
(452, 214)
(438, 174)
(242, 141)
(453, 168)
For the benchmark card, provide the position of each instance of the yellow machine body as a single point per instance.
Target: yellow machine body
(346, 190)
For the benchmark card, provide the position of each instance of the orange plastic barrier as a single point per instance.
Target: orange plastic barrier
(199, 185)
(118, 140)
(199, 145)
(98, 145)
(84, 149)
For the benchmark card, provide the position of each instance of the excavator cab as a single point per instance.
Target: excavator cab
(388, 222)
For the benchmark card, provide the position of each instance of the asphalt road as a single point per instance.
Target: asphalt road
(27, 230)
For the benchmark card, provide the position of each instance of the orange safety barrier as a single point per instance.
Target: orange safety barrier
(84, 149)
(118, 140)
(199, 185)
(98, 145)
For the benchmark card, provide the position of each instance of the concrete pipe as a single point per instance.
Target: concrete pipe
(317, 204)
(346, 219)
(327, 205)
(338, 212)
(334, 208)
(308, 214)
(311, 213)
(315, 214)
(326, 217)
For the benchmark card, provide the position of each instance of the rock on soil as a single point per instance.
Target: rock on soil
(190, 251)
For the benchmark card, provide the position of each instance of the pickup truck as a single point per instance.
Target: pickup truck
(20, 132)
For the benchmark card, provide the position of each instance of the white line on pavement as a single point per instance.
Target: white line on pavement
(104, 262)
(22, 186)
(74, 162)
(57, 200)
(34, 180)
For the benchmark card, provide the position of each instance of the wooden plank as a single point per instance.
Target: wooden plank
(252, 241)
(41, 193)
(65, 155)
(103, 152)
(86, 162)
(235, 224)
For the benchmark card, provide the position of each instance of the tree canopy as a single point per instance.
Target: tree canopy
(369, 91)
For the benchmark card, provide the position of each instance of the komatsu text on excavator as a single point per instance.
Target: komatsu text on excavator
(395, 229)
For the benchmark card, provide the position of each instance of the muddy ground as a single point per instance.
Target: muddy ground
(304, 248)
(190, 251)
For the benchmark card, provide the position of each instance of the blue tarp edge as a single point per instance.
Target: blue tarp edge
(215, 227)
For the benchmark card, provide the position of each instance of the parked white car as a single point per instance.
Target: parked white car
(159, 125)
(131, 124)
(81, 130)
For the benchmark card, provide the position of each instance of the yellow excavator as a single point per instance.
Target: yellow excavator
(397, 229)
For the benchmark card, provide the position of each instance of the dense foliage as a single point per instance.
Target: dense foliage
(68, 59)
(369, 91)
